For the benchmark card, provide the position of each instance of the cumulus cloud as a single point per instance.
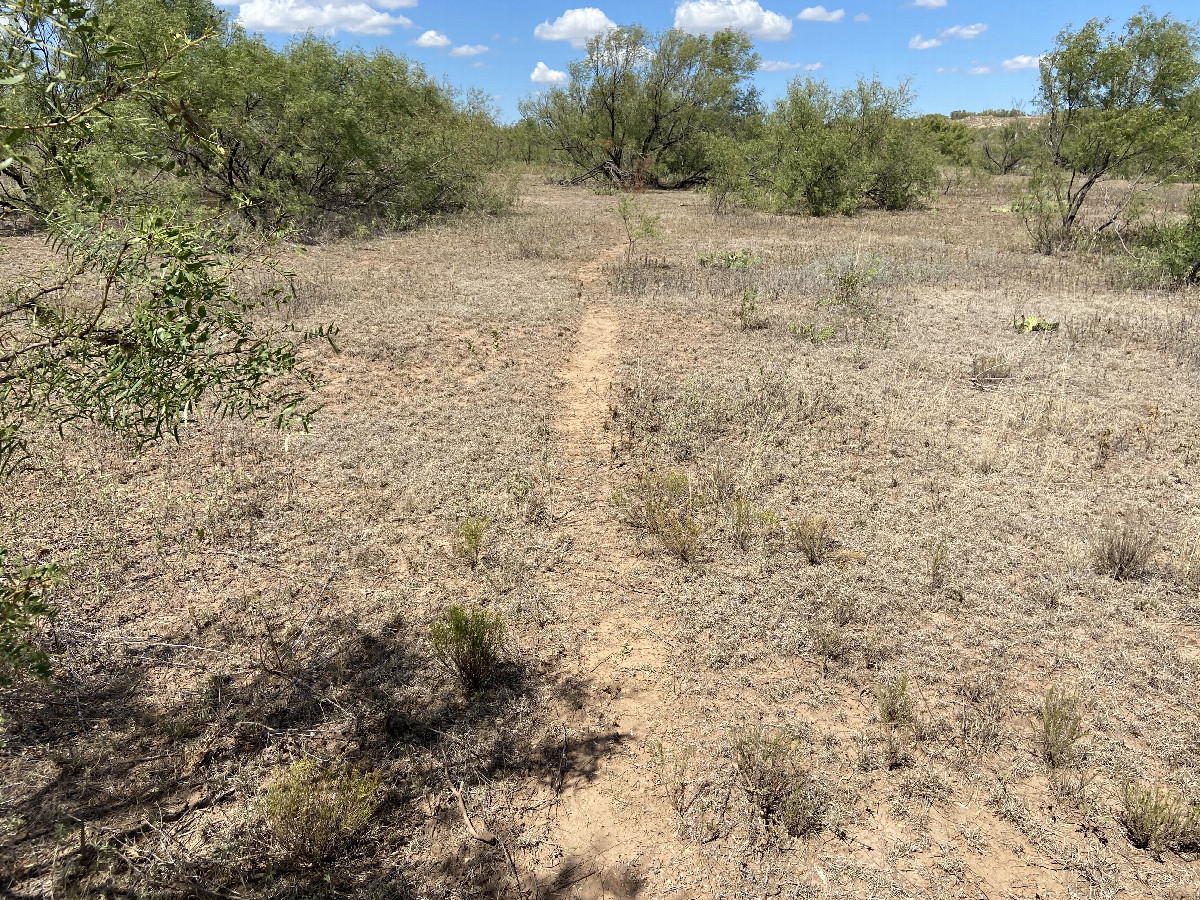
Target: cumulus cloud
(353, 16)
(775, 65)
(965, 32)
(962, 32)
(973, 70)
(821, 14)
(862, 17)
(711, 16)
(575, 26)
(543, 74)
(469, 50)
(930, 4)
(431, 39)
(1021, 62)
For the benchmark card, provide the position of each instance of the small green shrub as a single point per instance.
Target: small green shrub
(812, 537)
(1173, 251)
(468, 642)
(638, 223)
(311, 810)
(1157, 820)
(734, 260)
(747, 311)
(24, 593)
(1123, 552)
(851, 281)
(469, 541)
(665, 506)
(785, 794)
(1060, 726)
(893, 702)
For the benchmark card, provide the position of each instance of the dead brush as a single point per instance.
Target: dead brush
(785, 794)
(1123, 552)
(1156, 819)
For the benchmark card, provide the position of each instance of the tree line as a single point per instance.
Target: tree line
(675, 110)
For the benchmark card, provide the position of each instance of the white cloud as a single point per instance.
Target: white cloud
(543, 74)
(775, 65)
(974, 70)
(962, 32)
(354, 16)
(575, 26)
(862, 17)
(431, 39)
(710, 16)
(930, 4)
(469, 50)
(1021, 62)
(821, 14)
(965, 32)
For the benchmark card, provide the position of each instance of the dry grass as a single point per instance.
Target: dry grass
(247, 599)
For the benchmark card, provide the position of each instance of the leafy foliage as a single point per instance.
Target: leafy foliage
(311, 810)
(24, 590)
(640, 104)
(827, 153)
(139, 329)
(468, 642)
(1124, 105)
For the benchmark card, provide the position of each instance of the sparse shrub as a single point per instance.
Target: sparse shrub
(812, 537)
(734, 260)
(312, 810)
(468, 542)
(927, 785)
(468, 642)
(665, 506)
(1123, 552)
(939, 556)
(990, 371)
(829, 641)
(785, 794)
(893, 702)
(638, 223)
(747, 311)
(1060, 726)
(741, 522)
(1155, 819)
(850, 283)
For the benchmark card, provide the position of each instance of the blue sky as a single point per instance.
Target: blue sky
(960, 54)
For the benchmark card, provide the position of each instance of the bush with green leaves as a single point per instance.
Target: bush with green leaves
(639, 106)
(824, 152)
(139, 328)
(311, 810)
(1156, 819)
(1170, 252)
(24, 598)
(468, 642)
(785, 793)
(1120, 110)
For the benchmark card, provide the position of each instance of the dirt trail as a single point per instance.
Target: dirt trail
(611, 824)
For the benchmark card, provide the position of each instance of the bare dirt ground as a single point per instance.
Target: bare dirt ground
(790, 553)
